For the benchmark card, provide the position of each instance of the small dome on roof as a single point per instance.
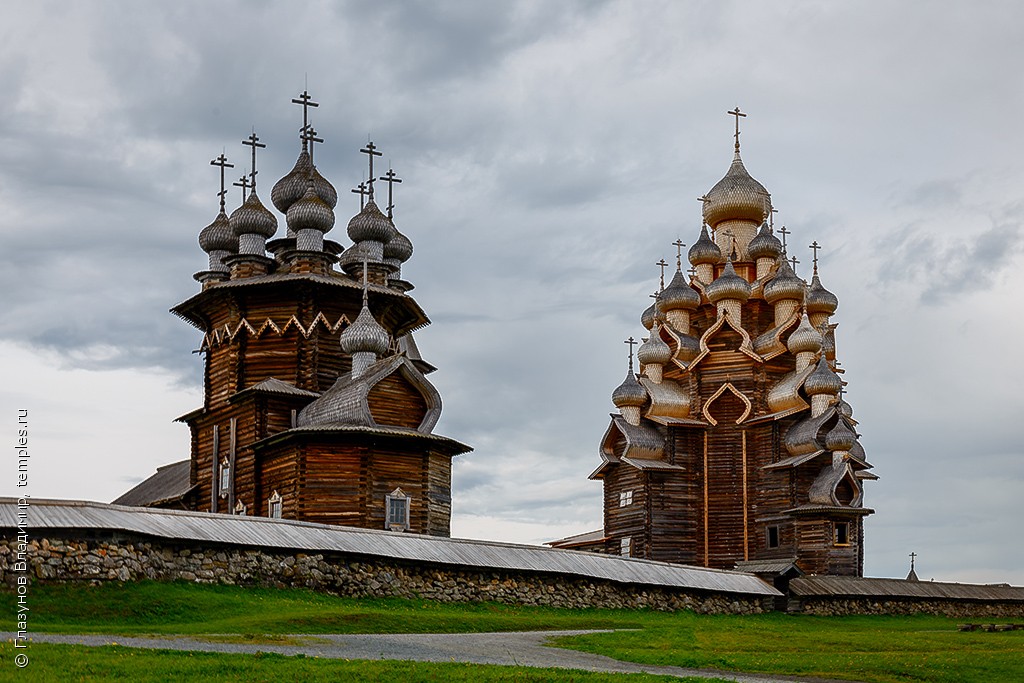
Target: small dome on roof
(785, 285)
(398, 247)
(370, 224)
(365, 334)
(649, 316)
(840, 437)
(218, 236)
(819, 299)
(688, 348)
(804, 338)
(310, 213)
(823, 380)
(764, 244)
(704, 250)
(845, 408)
(737, 196)
(252, 218)
(292, 186)
(629, 393)
(678, 294)
(654, 351)
(728, 285)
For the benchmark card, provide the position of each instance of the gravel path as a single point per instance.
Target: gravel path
(521, 648)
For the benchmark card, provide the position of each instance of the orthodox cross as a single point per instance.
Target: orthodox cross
(306, 101)
(361, 190)
(771, 217)
(390, 178)
(222, 161)
(371, 151)
(913, 556)
(732, 243)
(794, 261)
(737, 113)
(692, 271)
(243, 183)
(784, 232)
(254, 142)
(678, 244)
(661, 264)
(309, 135)
(815, 247)
(632, 342)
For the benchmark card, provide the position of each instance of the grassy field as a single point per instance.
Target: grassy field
(883, 649)
(67, 663)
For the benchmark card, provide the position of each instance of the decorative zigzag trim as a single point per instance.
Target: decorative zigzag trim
(225, 334)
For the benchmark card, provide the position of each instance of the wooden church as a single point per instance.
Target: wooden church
(317, 405)
(734, 447)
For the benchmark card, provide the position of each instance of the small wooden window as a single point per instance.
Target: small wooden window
(625, 498)
(773, 536)
(626, 546)
(225, 478)
(396, 510)
(240, 509)
(274, 505)
(842, 533)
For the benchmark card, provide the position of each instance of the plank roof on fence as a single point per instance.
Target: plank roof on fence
(809, 587)
(308, 537)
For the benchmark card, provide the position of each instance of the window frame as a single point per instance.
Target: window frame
(275, 504)
(224, 483)
(391, 523)
(770, 531)
(626, 546)
(625, 498)
(841, 539)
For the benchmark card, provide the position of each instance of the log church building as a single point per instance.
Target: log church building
(316, 405)
(734, 446)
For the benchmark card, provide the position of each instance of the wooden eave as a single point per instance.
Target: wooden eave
(814, 510)
(363, 434)
(400, 311)
(191, 415)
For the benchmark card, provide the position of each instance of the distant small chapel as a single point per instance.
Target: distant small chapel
(317, 405)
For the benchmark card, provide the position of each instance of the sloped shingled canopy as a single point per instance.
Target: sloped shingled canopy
(283, 534)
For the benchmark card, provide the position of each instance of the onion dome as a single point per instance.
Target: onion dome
(371, 224)
(840, 437)
(764, 244)
(737, 196)
(310, 213)
(398, 247)
(629, 393)
(704, 250)
(217, 236)
(252, 218)
(654, 350)
(678, 294)
(804, 338)
(823, 380)
(844, 408)
(729, 285)
(649, 316)
(785, 285)
(365, 334)
(819, 299)
(292, 187)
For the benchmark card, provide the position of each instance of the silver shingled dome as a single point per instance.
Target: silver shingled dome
(737, 196)
(370, 224)
(823, 380)
(398, 247)
(654, 350)
(218, 236)
(629, 393)
(704, 250)
(365, 334)
(292, 186)
(804, 338)
(678, 294)
(819, 299)
(785, 285)
(252, 218)
(840, 437)
(764, 244)
(728, 285)
(310, 213)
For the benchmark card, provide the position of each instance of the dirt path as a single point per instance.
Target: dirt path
(509, 649)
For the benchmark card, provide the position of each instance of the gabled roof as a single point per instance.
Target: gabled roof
(849, 586)
(436, 441)
(273, 386)
(587, 538)
(169, 484)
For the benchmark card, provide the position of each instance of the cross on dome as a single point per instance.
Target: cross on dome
(737, 113)
(662, 264)
(371, 151)
(243, 183)
(390, 178)
(794, 261)
(306, 102)
(361, 190)
(815, 247)
(784, 232)
(222, 161)
(253, 141)
(632, 342)
(678, 244)
(309, 135)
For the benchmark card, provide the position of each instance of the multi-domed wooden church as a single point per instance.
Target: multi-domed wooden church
(734, 446)
(316, 402)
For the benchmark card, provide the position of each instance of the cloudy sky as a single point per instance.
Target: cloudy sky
(551, 153)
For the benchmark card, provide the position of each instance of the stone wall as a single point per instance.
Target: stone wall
(55, 559)
(963, 609)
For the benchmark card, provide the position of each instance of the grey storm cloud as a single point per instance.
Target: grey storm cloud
(551, 153)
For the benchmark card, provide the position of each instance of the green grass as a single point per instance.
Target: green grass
(864, 648)
(188, 608)
(69, 663)
(876, 648)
